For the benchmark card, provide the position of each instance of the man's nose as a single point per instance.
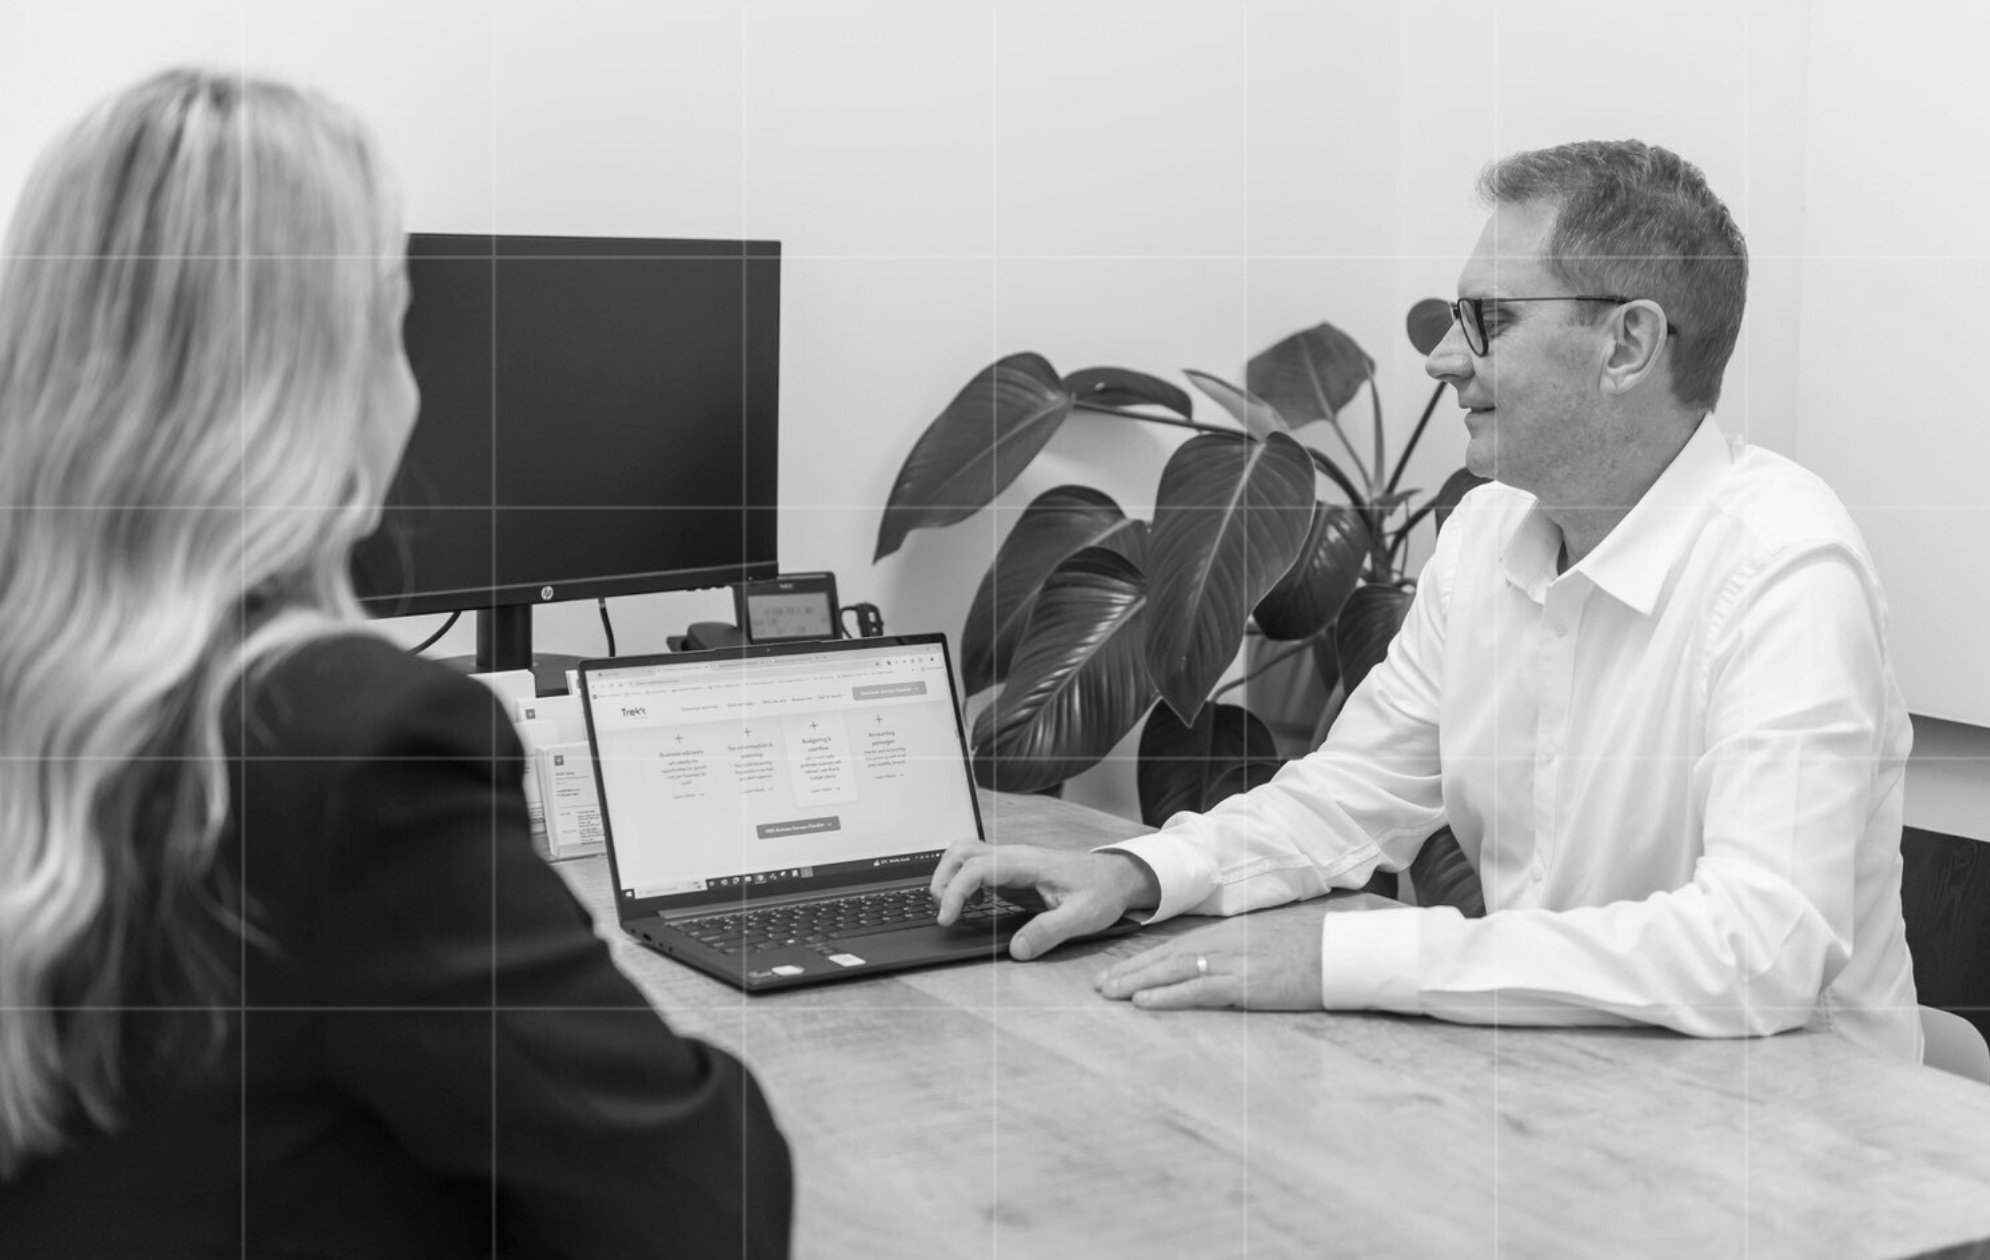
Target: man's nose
(1450, 359)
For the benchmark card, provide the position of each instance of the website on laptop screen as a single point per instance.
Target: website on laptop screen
(768, 769)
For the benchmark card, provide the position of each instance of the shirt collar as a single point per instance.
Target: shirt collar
(1633, 560)
(1532, 551)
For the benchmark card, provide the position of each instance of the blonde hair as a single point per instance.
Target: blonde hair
(193, 327)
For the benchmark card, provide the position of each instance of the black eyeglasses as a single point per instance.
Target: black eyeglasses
(1471, 314)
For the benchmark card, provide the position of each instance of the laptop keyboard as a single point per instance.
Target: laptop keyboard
(819, 922)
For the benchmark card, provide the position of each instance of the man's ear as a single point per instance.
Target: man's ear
(1637, 333)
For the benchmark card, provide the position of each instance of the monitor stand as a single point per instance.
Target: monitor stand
(504, 642)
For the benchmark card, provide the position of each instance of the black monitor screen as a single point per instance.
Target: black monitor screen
(599, 416)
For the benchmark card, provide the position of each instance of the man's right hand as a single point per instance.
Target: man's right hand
(1084, 892)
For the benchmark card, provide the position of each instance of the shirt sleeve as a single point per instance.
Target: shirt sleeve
(1796, 694)
(472, 1010)
(1368, 797)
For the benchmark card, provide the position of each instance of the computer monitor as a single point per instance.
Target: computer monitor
(599, 416)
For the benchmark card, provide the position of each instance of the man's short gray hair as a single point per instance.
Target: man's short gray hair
(1637, 220)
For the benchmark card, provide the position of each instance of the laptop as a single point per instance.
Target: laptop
(774, 813)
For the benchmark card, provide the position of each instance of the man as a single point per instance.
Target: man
(1645, 680)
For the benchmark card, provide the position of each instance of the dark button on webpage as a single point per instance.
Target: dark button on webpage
(797, 827)
(884, 691)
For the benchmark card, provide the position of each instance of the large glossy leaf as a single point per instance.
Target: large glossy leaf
(1229, 520)
(1079, 680)
(1181, 766)
(1367, 625)
(1428, 321)
(1309, 596)
(1258, 417)
(971, 452)
(1058, 523)
(1122, 387)
(1310, 375)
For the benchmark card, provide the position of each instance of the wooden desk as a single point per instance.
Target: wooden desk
(1008, 1111)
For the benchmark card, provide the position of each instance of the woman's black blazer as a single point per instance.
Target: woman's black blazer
(432, 1054)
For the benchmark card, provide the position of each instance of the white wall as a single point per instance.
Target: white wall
(1892, 340)
(1896, 330)
(1153, 183)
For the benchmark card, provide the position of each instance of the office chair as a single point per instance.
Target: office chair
(1954, 1045)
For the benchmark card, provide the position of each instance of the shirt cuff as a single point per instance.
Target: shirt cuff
(1183, 870)
(1368, 960)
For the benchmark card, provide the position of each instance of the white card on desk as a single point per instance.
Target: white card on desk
(573, 803)
(536, 735)
(564, 712)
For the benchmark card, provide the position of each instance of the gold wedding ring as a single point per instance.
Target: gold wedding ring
(1201, 965)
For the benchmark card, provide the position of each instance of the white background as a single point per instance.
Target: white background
(1177, 183)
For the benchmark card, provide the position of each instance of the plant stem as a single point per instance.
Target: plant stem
(1378, 551)
(1375, 398)
(1287, 654)
(1399, 549)
(1124, 413)
(1415, 435)
(1325, 465)
(1333, 422)
(1415, 517)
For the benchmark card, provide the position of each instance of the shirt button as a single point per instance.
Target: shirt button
(1558, 630)
(1537, 875)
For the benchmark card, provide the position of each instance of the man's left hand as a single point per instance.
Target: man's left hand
(1265, 963)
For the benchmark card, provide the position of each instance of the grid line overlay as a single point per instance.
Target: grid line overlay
(492, 826)
(994, 545)
(242, 716)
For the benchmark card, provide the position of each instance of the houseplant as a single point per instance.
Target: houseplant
(1087, 618)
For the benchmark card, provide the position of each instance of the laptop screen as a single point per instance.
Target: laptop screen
(776, 769)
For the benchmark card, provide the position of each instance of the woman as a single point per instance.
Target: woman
(279, 972)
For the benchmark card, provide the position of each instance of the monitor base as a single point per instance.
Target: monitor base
(549, 670)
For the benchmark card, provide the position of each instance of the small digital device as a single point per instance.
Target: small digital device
(870, 622)
(787, 609)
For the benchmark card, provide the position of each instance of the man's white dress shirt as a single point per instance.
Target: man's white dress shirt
(1677, 768)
